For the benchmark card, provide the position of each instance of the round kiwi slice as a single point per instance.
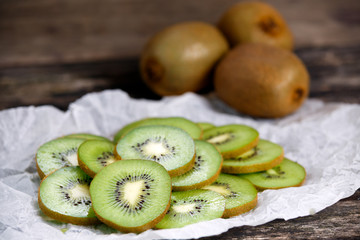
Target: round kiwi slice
(188, 126)
(232, 140)
(86, 136)
(262, 157)
(192, 207)
(55, 154)
(240, 194)
(64, 196)
(170, 146)
(287, 174)
(131, 195)
(207, 167)
(93, 155)
(205, 125)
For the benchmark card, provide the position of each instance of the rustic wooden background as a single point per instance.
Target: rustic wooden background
(55, 51)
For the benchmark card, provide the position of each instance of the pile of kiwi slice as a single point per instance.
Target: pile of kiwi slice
(160, 173)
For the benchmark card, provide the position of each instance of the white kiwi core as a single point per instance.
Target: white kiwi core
(219, 139)
(219, 189)
(80, 191)
(110, 160)
(132, 191)
(184, 208)
(155, 148)
(73, 159)
(248, 154)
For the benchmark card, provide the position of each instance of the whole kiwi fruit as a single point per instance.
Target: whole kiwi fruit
(255, 22)
(180, 58)
(262, 80)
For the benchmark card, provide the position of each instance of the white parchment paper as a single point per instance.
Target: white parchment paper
(323, 137)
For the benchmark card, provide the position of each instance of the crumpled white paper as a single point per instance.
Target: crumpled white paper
(323, 137)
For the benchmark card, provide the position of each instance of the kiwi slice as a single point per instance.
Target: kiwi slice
(262, 157)
(93, 155)
(192, 207)
(232, 140)
(205, 125)
(131, 195)
(170, 146)
(240, 194)
(188, 126)
(64, 196)
(207, 167)
(55, 154)
(86, 136)
(287, 174)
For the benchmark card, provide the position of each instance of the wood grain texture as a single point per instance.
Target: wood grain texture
(55, 51)
(334, 71)
(339, 221)
(41, 32)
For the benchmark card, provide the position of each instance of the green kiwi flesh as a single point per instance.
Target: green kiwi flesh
(287, 174)
(55, 154)
(233, 139)
(86, 136)
(207, 167)
(192, 206)
(64, 196)
(205, 125)
(131, 195)
(188, 126)
(240, 194)
(262, 157)
(93, 155)
(170, 146)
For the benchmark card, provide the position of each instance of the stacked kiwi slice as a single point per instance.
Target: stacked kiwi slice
(160, 173)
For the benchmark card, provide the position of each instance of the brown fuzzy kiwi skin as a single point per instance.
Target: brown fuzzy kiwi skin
(262, 81)
(172, 173)
(256, 22)
(240, 209)
(180, 58)
(63, 218)
(239, 151)
(138, 229)
(203, 183)
(253, 168)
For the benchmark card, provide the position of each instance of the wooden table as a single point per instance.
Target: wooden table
(53, 52)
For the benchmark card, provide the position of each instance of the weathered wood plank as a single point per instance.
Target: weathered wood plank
(334, 71)
(335, 74)
(65, 31)
(339, 221)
